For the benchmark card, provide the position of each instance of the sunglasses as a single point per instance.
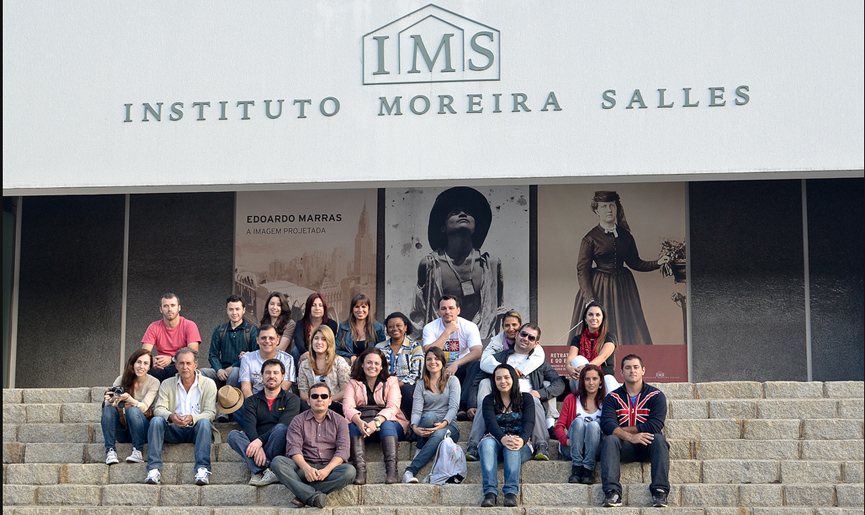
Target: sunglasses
(527, 336)
(316, 396)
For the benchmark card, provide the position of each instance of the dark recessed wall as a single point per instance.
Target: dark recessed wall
(836, 259)
(181, 243)
(70, 291)
(747, 281)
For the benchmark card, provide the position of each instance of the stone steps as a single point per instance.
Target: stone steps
(533, 472)
(806, 495)
(737, 448)
(410, 510)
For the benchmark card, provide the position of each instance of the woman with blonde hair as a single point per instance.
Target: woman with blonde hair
(323, 366)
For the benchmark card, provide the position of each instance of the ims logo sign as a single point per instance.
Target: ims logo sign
(431, 45)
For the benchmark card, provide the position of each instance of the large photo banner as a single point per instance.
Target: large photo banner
(302, 242)
(622, 246)
(469, 242)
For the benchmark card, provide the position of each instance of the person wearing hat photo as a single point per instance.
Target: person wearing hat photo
(610, 246)
(267, 415)
(458, 225)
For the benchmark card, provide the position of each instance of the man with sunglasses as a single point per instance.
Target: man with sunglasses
(267, 415)
(316, 457)
(537, 378)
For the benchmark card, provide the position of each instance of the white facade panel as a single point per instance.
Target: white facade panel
(69, 69)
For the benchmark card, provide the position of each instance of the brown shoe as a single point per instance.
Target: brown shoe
(357, 456)
(319, 500)
(389, 449)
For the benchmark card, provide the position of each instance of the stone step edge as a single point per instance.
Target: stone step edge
(730, 496)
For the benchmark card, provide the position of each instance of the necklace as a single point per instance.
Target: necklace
(468, 288)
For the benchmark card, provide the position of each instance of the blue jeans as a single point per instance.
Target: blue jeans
(161, 431)
(388, 428)
(113, 432)
(429, 446)
(275, 446)
(490, 451)
(294, 479)
(585, 443)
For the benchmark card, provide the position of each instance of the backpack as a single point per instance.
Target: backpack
(247, 333)
(449, 464)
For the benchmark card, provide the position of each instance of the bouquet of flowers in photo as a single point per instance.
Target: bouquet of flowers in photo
(676, 265)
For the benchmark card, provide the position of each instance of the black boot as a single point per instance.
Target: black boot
(389, 449)
(576, 474)
(357, 456)
(588, 476)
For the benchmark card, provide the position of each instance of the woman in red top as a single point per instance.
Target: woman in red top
(578, 429)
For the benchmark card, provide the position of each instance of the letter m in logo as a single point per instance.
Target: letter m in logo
(431, 45)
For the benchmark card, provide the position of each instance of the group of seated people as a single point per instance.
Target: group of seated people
(363, 381)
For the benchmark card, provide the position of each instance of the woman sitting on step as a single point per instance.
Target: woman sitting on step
(323, 366)
(434, 410)
(126, 416)
(578, 429)
(510, 419)
(371, 405)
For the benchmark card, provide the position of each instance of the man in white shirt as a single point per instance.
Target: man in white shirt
(250, 365)
(185, 407)
(460, 340)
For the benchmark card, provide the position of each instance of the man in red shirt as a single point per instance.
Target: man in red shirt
(169, 335)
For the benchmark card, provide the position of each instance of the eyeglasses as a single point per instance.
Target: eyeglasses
(316, 396)
(527, 336)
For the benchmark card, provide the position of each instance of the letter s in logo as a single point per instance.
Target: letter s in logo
(481, 50)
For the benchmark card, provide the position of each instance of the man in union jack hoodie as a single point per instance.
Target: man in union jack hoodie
(632, 418)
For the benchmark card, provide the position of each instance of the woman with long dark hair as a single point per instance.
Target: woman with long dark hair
(360, 331)
(510, 419)
(315, 313)
(139, 394)
(371, 405)
(578, 429)
(277, 312)
(594, 344)
(434, 410)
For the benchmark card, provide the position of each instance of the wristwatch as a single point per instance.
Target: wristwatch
(377, 422)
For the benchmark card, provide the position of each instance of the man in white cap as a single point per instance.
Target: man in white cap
(266, 417)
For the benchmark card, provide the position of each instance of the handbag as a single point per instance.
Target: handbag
(369, 412)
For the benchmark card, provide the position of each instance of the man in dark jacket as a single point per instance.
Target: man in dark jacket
(542, 382)
(266, 417)
(632, 418)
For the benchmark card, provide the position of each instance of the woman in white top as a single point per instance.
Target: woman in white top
(323, 366)
(578, 429)
(139, 392)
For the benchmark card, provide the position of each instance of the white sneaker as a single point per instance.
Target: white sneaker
(255, 479)
(135, 457)
(153, 477)
(408, 477)
(268, 478)
(111, 457)
(201, 477)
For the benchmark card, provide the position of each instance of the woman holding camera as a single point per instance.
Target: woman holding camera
(126, 411)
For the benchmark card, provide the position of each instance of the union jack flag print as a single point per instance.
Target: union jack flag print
(630, 414)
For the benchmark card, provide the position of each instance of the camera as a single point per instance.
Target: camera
(115, 390)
